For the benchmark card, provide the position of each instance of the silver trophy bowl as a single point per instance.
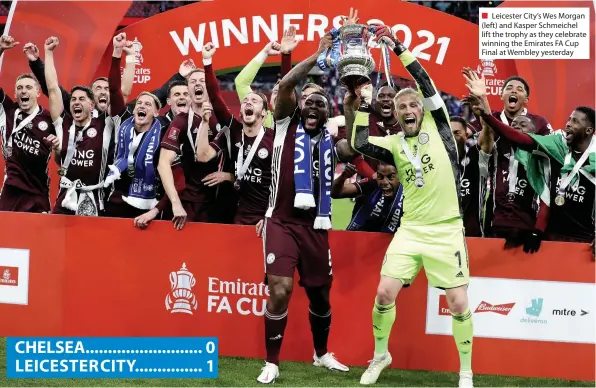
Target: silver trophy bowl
(355, 63)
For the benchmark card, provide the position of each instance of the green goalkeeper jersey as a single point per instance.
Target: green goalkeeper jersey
(427, 164)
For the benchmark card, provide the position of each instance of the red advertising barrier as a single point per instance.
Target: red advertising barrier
(102, 277)
(443, 43)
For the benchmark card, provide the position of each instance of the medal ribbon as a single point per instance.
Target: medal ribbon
(415, 160)
(195, 143)
(242, 165)
(513, 167)
(72, 144)
(136, 140)
(566, 178)
(22, 124)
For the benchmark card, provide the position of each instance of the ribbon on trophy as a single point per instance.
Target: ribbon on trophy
(386, 61)
(329, 58)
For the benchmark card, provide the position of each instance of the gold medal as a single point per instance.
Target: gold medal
(62, 171)
(560, 200)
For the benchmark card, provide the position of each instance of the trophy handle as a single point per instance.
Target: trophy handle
(174, 279)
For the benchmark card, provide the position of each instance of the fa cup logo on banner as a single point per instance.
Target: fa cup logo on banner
(138, 47)
(142, 74)
(180, 299)
(487, 68)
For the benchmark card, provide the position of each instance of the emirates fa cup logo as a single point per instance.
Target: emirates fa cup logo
(180, 299)
(487, 68)
(138, 47)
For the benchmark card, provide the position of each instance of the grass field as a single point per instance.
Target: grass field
(341, 213)
(238, 372)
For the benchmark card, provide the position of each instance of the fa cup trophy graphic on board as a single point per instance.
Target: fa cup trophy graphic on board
(180, 299)
(355, 63)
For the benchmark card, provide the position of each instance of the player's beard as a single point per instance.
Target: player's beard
(411, 131)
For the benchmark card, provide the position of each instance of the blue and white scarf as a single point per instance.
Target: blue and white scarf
(391, 221)
(303, 176)
(329, 58)
(142, 190)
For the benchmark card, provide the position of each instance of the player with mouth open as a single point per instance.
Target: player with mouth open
(431, 234)
(298, 218)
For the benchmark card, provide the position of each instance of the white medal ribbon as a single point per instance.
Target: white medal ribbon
(416, 161)
(22, 124)
(136, 140)
(505, 120)
(241, 164)
(195, 143)
(566, 178)
(72, 144)
(513, 167)
(464, 163)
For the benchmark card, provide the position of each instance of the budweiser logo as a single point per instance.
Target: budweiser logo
(502, 309)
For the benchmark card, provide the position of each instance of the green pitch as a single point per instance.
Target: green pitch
(239, 372)
(341, 213)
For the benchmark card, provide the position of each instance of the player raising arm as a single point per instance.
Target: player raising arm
(570, 161)
(431, 232)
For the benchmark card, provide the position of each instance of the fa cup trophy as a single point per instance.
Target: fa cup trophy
(355, 63)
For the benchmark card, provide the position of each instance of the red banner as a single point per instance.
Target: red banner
(84, 28)
(82, 276)
(559, 86)
(444, 44)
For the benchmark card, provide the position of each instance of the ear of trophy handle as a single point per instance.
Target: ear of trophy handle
(173, 279)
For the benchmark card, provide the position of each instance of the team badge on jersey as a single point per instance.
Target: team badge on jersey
(92, 132)
(423, 138)
(270, 258)
(42, 126)
(263, 153)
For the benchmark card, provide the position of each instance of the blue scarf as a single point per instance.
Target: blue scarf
(363, 214)
(303, 176)
(142, 190)
(329, 58)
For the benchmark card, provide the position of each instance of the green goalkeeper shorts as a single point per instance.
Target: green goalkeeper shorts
(441, 248)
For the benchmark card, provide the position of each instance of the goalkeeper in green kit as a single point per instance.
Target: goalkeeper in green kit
(431, 234)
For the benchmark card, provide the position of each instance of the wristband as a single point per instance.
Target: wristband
(399, 48)
(364, 107)
(207, 61)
